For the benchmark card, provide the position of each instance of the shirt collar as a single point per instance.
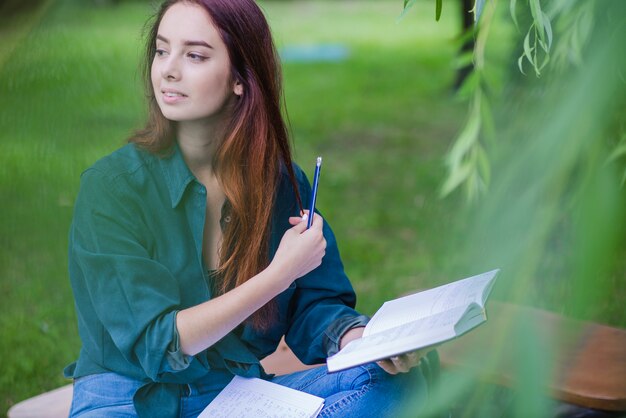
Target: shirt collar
(177, 174)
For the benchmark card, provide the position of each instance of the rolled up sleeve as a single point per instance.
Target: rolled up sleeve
(338, 328)
(126, 301)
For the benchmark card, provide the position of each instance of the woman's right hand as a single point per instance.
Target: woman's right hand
(300, 250)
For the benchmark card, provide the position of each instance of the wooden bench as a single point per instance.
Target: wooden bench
(585, 362)
(588, 367)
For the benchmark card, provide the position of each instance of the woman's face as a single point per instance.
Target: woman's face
(191, 69)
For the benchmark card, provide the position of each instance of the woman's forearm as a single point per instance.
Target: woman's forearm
(300, 251)
(201, 326)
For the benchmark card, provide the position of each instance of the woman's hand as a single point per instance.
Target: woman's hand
(300, 250)
(394, 365)
(402, 363)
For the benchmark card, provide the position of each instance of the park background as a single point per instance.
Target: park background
(369, 88)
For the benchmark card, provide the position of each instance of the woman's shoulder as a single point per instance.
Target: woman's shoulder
(122, 172)
(121, 163)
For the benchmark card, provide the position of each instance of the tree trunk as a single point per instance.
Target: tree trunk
(467, 20)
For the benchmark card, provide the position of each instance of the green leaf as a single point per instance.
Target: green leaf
(535, 11)
(548, 28)
(512, 10)
(520, 64)
(545, 62)
(474, 186)
(464, 38)
(438, 6)
(463, 60)
(488, 124)
(471, 187)
(468, 137)
(483, 165)
(469, 86)
(455, 178)
(528, 50)
(407, 5)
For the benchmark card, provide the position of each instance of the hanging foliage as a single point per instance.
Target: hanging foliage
(551, 42)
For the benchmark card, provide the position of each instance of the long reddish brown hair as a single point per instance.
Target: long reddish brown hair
(248, 158)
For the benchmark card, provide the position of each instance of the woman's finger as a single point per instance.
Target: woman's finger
(295, 220)
(299, 227)
(388, 366)
(318, 221)
(401, 363)
(304, 215)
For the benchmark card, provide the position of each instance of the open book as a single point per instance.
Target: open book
(252, 397)
(418, 321)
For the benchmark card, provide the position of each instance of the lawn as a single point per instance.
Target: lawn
(382, 118)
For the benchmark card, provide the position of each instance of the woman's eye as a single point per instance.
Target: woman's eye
(160, 52)
(196, 57)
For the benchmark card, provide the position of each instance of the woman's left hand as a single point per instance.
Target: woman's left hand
(402, 363)
(393, 365)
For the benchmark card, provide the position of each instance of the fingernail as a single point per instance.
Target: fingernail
(305, 217)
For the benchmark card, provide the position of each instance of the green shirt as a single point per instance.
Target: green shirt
(135, 260)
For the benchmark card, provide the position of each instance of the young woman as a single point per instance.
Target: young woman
(189, 257)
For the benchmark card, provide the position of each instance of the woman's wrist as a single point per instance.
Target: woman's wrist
(350, 335)
(276, 274)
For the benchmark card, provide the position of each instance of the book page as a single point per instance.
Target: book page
(422, 327)
(472, 317)
(252, 397)
(424, 332)
(421, 305)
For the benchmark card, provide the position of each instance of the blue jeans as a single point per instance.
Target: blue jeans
(364, 391)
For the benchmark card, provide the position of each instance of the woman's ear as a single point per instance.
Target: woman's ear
(238, 88)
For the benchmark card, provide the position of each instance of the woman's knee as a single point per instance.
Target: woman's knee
(359, 377)
(372, 392)
(373, 377)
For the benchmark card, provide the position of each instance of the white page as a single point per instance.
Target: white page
(420, 305)
(252, 397)
(424, 328)
(422, 333)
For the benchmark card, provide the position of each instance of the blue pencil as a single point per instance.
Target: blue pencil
(316, 180)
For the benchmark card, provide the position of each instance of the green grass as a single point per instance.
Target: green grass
(72, 93)
(69, 96)
(382, 119)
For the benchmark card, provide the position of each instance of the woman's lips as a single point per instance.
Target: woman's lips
(172, 96)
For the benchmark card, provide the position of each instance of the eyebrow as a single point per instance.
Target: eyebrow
(186, 43)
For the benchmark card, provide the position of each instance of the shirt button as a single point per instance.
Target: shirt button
(227, 219)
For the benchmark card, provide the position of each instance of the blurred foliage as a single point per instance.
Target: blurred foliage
(546, 156)
(555, 50)
(542, 158)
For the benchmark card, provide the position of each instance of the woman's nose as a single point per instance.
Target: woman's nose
(171, 69)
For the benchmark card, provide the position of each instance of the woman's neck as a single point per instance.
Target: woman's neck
(198, 142)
